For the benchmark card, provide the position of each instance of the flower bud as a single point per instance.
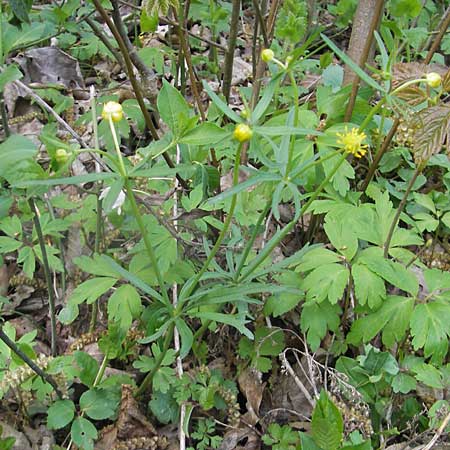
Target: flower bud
(112, 110)
(433, 79)
(267, 55)
(61, 156)
(242, 132)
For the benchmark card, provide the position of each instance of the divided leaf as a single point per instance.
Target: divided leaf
(430, 326)
(392, 319)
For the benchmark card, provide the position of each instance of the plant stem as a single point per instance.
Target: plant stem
(296, 114)
(30, 363)
(136, 87)
(249, 245)
(400, 208)
(224, 230)
(280, 236)
(148, 246)
(229, 57)
(445, 23)
(149, 377)
(376, 160)
(48, 279)
(98, 234)
(187, 56)
(99, 33)
(3, 113)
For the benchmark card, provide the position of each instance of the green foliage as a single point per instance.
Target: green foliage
(276, 231)
(327, 425)
(267, 342)
(281, 437)
(293, 21)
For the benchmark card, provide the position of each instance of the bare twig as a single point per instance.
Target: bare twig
(298, 382)
(144, 71)
(444, 24)
(187, 57)
(370, 9)
(176, 335)
(229, 57)
(45, 376)
(136, 86)
(48, 279)
(438, 433)
(99, 33)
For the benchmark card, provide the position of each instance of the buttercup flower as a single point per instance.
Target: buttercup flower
(61, 156)
(352, 141)
(267, 55)
(112, 110)
(434, 80)
(242, 132)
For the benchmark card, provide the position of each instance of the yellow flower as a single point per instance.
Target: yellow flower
(352, 141)
(242, 132)
(112, 110)
(434, 80)
(267, 55)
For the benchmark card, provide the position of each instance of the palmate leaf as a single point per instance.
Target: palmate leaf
(431, 130)
(327, 281)
(430, 326)
(317, 319)
(392, 319)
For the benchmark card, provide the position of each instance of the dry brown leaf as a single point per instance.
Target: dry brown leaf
(239, 439)
(131, 426)
(252, 387)
(431, 130)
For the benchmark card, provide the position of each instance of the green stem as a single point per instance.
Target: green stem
(296, 115)
(149, 377)
(249, 245)
(98, 234)
(226, 225)
(147, 243)
(137, 215)
(280, 236)
(400, 209)
(122, 169)
(48, 279)
(101, 371)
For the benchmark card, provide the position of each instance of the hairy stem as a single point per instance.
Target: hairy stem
(265, 253)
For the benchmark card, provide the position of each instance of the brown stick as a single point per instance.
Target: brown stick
(229, 57)
(368, 11)
(187, 56)
(437, 41)
(376, 161)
